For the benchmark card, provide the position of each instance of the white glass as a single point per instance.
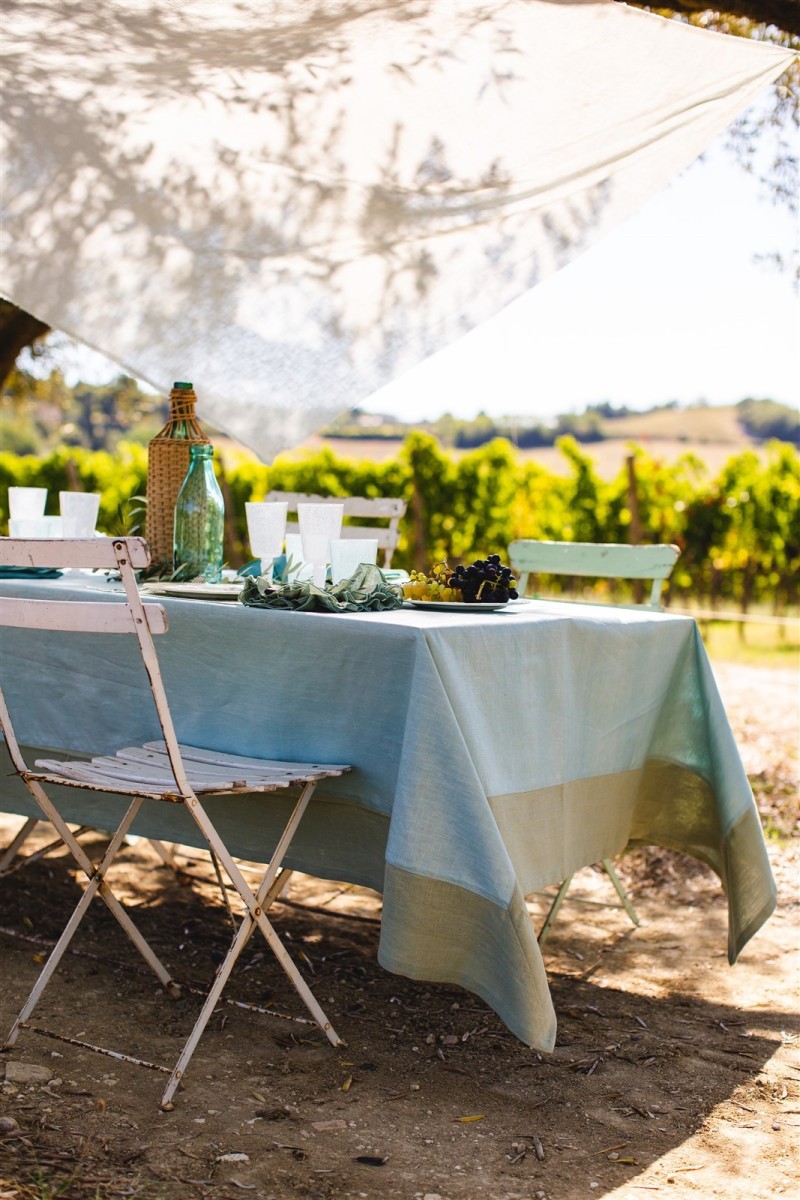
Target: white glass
(79, 513)
(26, 502)
(319, 525)
(266, 525)
(347, 555)
(35, 527)
(294, 554)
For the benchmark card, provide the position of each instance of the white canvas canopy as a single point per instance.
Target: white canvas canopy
(291, 202)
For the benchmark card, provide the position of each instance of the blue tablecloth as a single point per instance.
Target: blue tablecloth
(494, 754)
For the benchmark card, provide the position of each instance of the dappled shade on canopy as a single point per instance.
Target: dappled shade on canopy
(291, 204)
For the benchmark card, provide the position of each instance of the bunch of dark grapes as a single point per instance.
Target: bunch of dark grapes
(486, 581)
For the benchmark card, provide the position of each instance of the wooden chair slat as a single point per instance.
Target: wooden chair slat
(600, 560)
(79, 616)
(87, 553)
(603, 560)
(198, 754)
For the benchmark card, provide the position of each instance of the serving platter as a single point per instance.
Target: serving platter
(455, 605)
(195, 591)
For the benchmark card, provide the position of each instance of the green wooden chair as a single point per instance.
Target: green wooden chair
(598, 560)
(602, 560)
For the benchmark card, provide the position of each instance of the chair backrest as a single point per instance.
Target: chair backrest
(600, 560)
(373, 508)
(114, 615)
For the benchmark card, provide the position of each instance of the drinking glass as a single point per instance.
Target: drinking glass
(319, 524)
(79, 513)
(35, 527)
(347, 554)
(266, 525)
(26, 502)
(294, 555)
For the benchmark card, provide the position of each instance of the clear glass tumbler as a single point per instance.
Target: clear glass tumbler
(319, 524)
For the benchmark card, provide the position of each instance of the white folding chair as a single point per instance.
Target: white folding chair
(374, 508)
(598, 560)
(159, 771)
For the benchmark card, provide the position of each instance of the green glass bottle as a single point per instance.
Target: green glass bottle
(199, 520)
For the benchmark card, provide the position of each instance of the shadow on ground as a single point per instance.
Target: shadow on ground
(672, 1072)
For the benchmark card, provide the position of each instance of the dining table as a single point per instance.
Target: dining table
(494, 752)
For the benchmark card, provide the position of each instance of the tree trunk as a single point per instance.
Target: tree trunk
(18, 329)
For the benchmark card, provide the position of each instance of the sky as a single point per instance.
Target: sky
(670, 306)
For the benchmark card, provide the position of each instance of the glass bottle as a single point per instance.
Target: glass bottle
(199, 520)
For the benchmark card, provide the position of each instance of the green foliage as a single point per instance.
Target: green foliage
(39, 414)
(739, 533)
(118, 478)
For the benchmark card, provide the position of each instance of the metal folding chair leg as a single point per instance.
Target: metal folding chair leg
(85, 863)
(560, 895)
(96, 883)
(608, 867)
(255, 908)
(165, 853)
(544, 933)
(8, 865)
(10, 852)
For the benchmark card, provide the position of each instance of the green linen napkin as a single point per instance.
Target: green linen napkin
(366, 591)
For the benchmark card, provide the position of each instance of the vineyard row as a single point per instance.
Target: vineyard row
(738, 531)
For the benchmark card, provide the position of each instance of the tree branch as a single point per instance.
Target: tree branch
(785, 14)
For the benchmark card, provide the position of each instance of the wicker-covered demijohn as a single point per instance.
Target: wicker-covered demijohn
(167, 464)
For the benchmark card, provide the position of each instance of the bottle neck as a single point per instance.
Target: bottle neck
(182, 422)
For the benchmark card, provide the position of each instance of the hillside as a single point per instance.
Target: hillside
(717, 425)
(714, 434)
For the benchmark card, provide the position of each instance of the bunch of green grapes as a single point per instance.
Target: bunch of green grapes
(435, 586)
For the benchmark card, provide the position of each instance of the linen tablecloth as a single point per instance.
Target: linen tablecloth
(494, 753)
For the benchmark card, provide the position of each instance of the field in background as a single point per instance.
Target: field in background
(754, 644)
(608, 456)
(713, 434)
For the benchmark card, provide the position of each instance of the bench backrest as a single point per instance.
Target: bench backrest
(373, 508)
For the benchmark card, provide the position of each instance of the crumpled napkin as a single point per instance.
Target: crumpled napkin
(367, 590)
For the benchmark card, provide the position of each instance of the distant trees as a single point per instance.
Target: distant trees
(765, 419)
(760, 419)
(38, 414)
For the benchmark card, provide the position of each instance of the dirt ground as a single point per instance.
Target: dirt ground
(673, 1075)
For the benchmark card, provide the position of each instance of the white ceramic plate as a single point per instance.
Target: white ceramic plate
(195, 591)
(454, 606)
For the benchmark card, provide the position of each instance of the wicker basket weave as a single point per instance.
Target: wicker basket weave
(167, 463)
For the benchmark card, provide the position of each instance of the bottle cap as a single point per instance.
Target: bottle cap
(183, 386)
